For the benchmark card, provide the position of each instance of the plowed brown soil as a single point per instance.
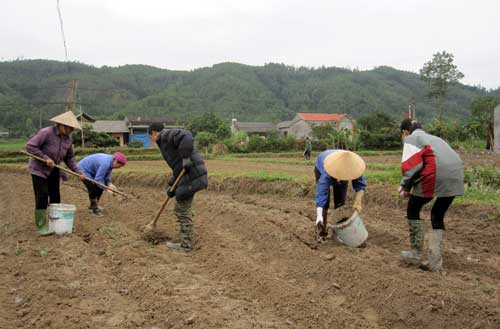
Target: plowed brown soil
(255, 265)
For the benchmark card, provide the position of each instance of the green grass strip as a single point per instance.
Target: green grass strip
(383, 166)
(262, 176)
(477, 196)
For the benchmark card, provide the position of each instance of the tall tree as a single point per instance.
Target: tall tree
(440, 73)
(482, 112)
(211, 123)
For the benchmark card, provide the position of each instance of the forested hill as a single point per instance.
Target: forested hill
(272, 92)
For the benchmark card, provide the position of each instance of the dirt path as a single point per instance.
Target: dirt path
(255, 265)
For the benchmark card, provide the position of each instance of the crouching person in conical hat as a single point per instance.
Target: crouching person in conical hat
(99, 167)
(431, 169)
(53, 144)
(333, 170)
(177, 148)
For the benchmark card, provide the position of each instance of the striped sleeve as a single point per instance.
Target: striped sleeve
(411, 165)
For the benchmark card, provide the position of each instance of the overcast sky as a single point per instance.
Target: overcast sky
(188, 34)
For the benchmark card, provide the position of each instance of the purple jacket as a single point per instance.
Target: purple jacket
(49, 144)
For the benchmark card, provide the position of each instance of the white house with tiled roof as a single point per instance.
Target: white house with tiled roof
(301, 126)
(252, 128)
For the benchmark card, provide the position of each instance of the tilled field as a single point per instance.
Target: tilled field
(255, 265)
(236, 166)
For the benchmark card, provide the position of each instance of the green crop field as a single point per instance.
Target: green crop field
(383, 168)
(11, 145)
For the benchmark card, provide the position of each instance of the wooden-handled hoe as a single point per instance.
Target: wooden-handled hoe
(77, 174)
(151, 226)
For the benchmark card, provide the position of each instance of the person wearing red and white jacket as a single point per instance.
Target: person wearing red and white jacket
(431, 169)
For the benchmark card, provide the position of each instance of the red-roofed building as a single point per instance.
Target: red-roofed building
(301, 126)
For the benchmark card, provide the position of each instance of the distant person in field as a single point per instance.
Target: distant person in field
(99, 167)
(308, 148)
(177, 148)
(53, 144)
(431, 169)
(333, 170)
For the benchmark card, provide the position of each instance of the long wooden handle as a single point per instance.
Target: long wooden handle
(172, 188)
(76, 174)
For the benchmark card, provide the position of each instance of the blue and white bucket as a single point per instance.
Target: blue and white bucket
(61, 218)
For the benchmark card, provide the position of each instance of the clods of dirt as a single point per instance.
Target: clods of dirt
(155, 236)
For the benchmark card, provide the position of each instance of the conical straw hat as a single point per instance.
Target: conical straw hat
(344, 165)
(67, 119)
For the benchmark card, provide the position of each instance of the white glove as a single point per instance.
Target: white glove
(319, 216)
(403, 193)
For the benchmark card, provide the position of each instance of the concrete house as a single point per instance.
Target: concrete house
(133, 128)
(301, 126)
(252, 128)
(147, 129)
(115, 128)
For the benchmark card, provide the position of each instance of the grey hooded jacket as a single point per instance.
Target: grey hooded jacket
(431, 167)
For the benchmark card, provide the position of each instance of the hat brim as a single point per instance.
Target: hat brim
(344, 165)
(67, 119)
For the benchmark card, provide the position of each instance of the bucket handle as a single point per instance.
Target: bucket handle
(54, 218)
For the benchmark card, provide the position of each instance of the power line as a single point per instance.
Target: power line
(42, 103)
(62, 30)
(79, 88)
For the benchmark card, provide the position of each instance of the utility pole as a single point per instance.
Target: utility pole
(70, 105)
(81, 124)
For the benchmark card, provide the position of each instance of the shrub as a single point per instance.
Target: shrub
(93, 138)
(237, 143)
(136, 144)
(382, 139)
(205, 139)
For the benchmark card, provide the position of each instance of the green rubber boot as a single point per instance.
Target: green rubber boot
(417, 232)
(186, 238)
(41, 222)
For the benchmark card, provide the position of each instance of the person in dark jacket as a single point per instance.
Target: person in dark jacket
(177, 148)
(53, 144)
(431, 169)
(308, 148)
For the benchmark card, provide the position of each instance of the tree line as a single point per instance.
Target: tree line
(31, 91)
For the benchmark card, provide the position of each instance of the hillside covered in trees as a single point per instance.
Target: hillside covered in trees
(31, 90)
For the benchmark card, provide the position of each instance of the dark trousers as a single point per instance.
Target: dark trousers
(339, 195)
(46, 189)
(438, 210)
(95, 191)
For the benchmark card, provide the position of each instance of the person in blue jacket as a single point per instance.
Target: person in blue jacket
(98, 167)
(334, 168)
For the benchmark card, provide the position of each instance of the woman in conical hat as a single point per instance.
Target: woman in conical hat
(53, 144)
(333, 169)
